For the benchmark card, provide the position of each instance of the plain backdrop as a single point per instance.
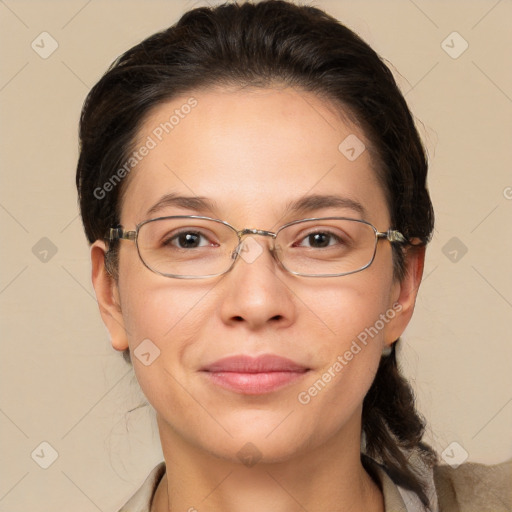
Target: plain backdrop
(63, 384)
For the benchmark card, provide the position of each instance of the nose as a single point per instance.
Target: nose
(256, 292)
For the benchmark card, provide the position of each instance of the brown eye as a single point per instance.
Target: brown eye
(320, 240)
(186, 240)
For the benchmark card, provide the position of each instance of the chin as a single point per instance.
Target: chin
(250, 450)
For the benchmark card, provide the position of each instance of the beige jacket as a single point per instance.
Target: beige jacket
(468, 488)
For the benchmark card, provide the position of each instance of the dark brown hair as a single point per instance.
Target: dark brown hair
(273, 42)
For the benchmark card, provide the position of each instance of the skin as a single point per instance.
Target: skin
(252, 151)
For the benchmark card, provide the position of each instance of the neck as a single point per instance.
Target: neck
(330, 477)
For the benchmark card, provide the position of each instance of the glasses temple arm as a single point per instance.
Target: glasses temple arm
(393, 236)
(120, 234)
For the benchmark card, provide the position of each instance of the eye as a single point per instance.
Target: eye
(320, 240)
(187, 240)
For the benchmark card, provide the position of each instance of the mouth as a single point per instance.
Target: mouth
(254, 375)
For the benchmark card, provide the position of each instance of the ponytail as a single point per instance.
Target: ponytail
(393, 429)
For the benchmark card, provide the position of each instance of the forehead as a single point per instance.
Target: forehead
(251, 152)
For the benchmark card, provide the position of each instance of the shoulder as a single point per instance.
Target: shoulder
(141, 500)
(474, 487)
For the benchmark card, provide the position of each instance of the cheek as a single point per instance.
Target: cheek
(154, 306)
(350, 307)
(162, 318)
(165, 312)
(355, 318)
(165, 320)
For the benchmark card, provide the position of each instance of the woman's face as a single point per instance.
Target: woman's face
(250, 154)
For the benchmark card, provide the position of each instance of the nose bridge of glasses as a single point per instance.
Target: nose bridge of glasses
(248, 231)
(261, 232)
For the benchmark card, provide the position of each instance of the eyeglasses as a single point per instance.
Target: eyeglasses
(192, 247)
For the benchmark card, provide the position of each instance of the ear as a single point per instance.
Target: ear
(107, 295)
(405, 292)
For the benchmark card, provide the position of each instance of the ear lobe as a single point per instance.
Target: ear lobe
(406, 292)
(107, 295)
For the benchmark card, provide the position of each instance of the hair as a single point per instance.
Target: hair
(261, 45)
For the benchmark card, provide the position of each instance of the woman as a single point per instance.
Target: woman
(254, 190)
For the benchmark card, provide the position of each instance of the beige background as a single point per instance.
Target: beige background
(62, 383)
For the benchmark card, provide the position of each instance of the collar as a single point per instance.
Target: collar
(396, 497)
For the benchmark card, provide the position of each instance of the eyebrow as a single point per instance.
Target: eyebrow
(196, 203)
(302, 206)
(308, 204)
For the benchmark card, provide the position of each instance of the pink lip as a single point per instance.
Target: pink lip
(254, 375)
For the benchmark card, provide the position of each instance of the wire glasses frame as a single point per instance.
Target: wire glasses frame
(119, 233)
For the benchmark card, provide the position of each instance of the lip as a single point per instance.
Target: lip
(254, 375)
